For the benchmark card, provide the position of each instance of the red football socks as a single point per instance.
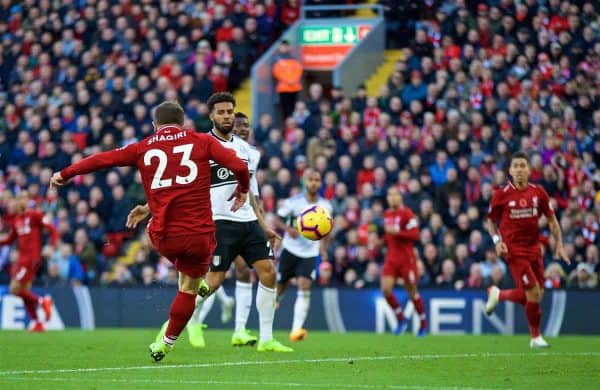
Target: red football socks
(181, 311)
(534, 317)
(31, 301)
(515, 295)
(395, 305)
(420, 309)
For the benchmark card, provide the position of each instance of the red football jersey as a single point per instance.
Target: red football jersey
(517, 213)
(27, 228)
(174, 165)
(401, 245)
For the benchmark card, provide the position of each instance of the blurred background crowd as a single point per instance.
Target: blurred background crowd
(477, 81)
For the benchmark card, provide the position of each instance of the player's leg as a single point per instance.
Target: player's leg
(496, 295)
(243, 302)
(226, 302)
(305, 273)
(411, 282)
(386, 284)
(192, 267)
(265, 305)
(180, 313)
(258, 254)
(534, 292)
(301, 307)
(285, 271)
(204, 305)
(20, 285)
(516, 295)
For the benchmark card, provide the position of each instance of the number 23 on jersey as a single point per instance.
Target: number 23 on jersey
(163, 160)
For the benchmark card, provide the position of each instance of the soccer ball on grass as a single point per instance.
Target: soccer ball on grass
(314, 223)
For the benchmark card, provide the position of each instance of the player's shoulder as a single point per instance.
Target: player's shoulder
(507, 190)
(407, 211)
(325, 202)
(538, 189)
(296, 198)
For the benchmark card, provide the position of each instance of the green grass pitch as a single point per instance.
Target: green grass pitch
(118, 358)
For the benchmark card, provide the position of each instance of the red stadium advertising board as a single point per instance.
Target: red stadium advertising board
(324, 47)
(323, 57)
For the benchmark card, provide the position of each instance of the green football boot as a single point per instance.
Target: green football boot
(158, 350)
(242, 338)
(196, 334)
(273, 346)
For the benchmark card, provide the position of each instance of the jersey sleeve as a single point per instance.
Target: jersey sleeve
(286, 209)
(495, 208)
(126, 156)
(410, 221)
(253, 167)
(545, 205)
(254, 185)
(328, 206)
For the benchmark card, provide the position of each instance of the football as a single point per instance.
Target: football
(314, 223)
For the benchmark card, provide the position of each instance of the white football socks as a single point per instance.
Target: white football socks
(301, 309)
(203, 309)
(265, 304)
(243, 303)
(221, 294)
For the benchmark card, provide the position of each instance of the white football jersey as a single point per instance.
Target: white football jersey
(253, 167)
(289, 211)
(223, 183)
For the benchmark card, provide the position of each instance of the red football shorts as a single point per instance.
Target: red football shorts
(190, 254)
(407, 270)
(24, 270)
(525, 273)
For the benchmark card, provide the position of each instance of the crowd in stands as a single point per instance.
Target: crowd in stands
(478, 80)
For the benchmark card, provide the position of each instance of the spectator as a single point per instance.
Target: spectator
(287, 71)
(554, 276)
(583, 277)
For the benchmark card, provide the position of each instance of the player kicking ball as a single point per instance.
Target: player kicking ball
(239, 233)
(299, 255)
(401, 231)
(175, 169)
(26, 228)
(516, 209)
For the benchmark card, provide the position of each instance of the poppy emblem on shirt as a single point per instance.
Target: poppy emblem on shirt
(522, 203)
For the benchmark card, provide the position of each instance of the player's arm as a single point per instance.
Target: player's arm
(409, 232)
(494, 214)
(113, 158)
(271, 234)
(137, 215)
(554, 226)
(54, 235)
(227, 158)
(283, 213)
(12, 236)
(323, 245)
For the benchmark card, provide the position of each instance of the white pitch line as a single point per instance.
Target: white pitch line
(199, 365)
(300, 361)
(239, 383)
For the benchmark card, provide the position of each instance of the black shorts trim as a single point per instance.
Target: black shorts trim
(246, 239)
(291, 266)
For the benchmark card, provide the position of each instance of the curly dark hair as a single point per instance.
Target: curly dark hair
(220, 97)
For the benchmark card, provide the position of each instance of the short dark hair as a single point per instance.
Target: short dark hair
(169, 112)
(522, 155)
(240, 115)
(219, 97)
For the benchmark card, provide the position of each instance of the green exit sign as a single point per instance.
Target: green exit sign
(332, 35)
